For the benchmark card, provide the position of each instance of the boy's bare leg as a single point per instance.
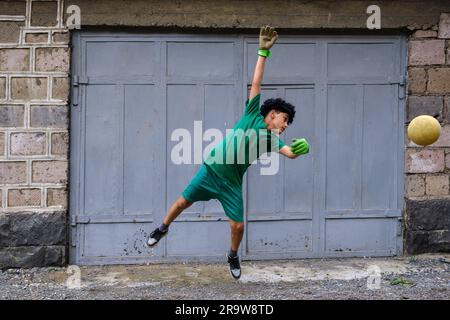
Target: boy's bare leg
(237, 232)
(175, 210)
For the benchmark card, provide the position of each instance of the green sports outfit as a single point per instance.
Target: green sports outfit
(222, 172)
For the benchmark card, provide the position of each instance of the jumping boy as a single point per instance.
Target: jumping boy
(222, 179)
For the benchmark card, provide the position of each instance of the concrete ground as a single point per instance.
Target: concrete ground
(413, 277)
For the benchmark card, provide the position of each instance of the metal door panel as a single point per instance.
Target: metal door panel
(378, 147)
(108, 57)
(341, 136)
(131, 91)
(103, 152)
(198, 239)
(292, 236)
(353, 60)
(368, 235)
(144, 142)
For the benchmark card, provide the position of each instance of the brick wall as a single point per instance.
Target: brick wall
(34, 139)
(428, 169)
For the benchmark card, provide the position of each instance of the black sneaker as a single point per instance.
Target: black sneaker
(155, 236)
(235, 267)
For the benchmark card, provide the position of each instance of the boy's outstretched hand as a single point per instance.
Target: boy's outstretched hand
(267, 37)
(300, 146)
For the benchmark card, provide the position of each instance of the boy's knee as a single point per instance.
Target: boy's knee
(238, 226)
(183, 203)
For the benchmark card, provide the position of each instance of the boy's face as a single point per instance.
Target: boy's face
(277, 120)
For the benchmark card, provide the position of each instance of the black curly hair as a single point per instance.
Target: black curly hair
(279, 105)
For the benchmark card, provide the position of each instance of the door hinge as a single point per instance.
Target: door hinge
(402, 88)
(73, 231)
(76, 82)
(79, 220)
(73, 237)
(74, 221)
(399, 227)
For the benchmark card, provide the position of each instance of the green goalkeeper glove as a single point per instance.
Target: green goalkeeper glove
(267, 37)
(300, 146)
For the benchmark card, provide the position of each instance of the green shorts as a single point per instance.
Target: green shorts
(207, 185)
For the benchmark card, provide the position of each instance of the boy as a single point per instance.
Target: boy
(222, 179)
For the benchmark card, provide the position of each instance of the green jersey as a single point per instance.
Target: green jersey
(249, 140)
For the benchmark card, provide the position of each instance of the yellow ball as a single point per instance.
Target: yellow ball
(424, 130)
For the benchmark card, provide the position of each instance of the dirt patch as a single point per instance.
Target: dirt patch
(416, 277)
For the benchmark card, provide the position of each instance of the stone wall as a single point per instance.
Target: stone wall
(428, 169)
(34, 139)
(286, 15)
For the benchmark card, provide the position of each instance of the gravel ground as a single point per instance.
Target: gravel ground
(419, 277)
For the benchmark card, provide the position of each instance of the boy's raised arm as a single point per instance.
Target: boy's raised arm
(267, 38)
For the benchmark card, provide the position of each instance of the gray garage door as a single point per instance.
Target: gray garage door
(132, 91)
